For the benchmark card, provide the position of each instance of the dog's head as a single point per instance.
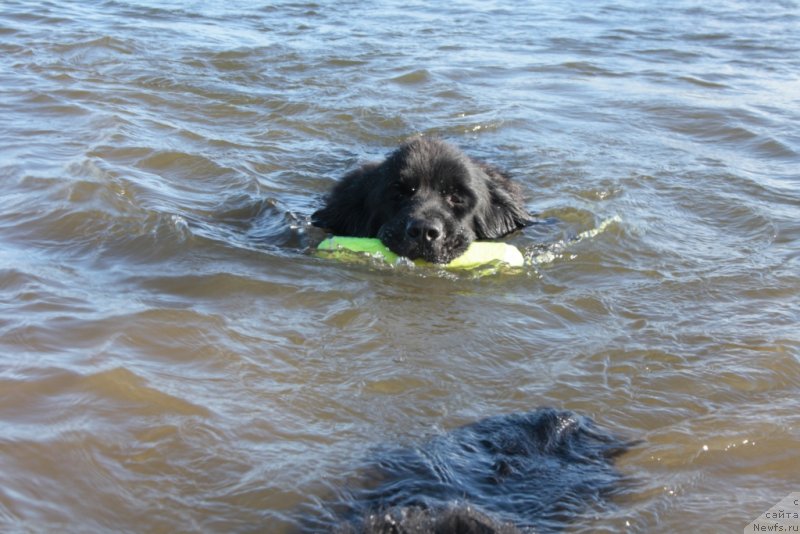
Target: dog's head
(427, 200)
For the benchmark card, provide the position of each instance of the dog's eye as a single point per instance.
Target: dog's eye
(455, 199)
(404, 189)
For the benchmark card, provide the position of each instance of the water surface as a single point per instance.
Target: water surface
(172, 359)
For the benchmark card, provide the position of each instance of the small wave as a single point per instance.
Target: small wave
(252, 224)
(412, 78)
(550, 253)
(100, 43)
(694, 80)
(123, 386)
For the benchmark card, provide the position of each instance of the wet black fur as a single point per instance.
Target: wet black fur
(525, 472)
(426, 200)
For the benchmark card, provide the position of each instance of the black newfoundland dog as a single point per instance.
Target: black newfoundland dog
(426, 200)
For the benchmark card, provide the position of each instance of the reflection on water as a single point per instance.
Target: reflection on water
(174, 359)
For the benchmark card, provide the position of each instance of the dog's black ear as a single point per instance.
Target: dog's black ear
(346, 211)
(503, 212)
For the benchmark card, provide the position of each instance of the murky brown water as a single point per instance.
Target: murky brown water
(173, 361)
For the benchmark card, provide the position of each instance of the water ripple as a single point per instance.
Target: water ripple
(169, 344)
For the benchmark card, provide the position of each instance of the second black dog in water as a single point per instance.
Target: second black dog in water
(426, 200)
(525, 472)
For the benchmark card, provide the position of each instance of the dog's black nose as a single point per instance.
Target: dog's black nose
(424, 231)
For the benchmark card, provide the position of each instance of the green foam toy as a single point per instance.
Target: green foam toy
(479, 252)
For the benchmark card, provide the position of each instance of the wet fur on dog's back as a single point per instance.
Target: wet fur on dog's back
(426, 200)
